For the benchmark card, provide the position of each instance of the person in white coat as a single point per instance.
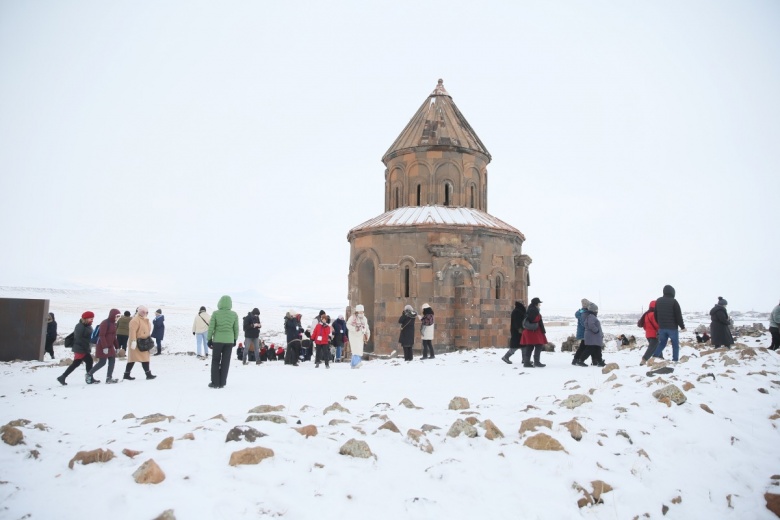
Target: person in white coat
(359, 333)
(200, 329)
(426, 331)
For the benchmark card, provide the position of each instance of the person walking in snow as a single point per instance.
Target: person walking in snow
(533, 338)
(140, 330)
(200, 329)
(158, 329)
(426, 331)
(51, 334)
(774, 327)
(107, 346)
(81, 348)
(223, 335)
(359, 334)
(719, 327)
(252, 335)
(580, 315)
(516, 330)
(669, 317)
(123, 330)
(593, 337)
(647, 322)
(406, 336)
(339, 336)
(321, 338)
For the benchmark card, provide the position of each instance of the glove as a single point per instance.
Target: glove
(210, 343)
(105, 351)
(193, 333)
(132, 345)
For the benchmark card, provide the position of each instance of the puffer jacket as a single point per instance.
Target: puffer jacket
(580, 315)
(534, 337)
(667, 311)
(594, 335)
(81, 336)
(651, 326)
(123, 326)
(223, 327)
(107, 336)
(516, 323)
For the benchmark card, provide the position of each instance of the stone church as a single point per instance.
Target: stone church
(436, 243)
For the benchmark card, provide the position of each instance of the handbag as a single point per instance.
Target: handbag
(144, 344)
(528, 325)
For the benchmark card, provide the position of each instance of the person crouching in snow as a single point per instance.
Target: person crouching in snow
(107, 346)
(359, 334)
(321, 337)
(81, 349)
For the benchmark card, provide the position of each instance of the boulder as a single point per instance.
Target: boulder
(248, 433)
(530, 425)
(356, 448)
(390, 425)
(335, 407)
(491, 430)
(609, 368)
(165, 444)
(672, 392)
(418, 438)
(265, 408)
(12, 435)
(408, 403)
(253, 455)
(278, 419)
(773, 503)
(575, 429)
(462, 427)
(575, 400)
(307, 431)
(155, 418)
(149, 473)
(88, 457)
(459, 403)
(543, 442)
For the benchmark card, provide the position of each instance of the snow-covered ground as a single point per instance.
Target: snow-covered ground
(653, 456)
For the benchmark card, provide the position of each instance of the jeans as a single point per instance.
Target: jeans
(338, 352)
(201, 339)
(220, 363)
(663, 336)
(99, 365)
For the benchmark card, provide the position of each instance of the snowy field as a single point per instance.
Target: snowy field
(655, 457)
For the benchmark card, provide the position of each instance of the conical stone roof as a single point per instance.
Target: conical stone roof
(437, 124)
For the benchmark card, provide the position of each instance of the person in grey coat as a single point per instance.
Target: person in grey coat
(719, 327)
(593, 337)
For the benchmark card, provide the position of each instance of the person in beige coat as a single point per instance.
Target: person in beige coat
(140, 328)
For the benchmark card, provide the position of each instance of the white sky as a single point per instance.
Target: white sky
(202, 146)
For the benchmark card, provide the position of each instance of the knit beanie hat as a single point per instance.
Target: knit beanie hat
(87, 315)
(592, 307)
(202, 308)
(585, 303)
(722, 301)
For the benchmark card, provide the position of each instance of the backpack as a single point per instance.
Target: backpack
(641, 322)
(69, 339)
(248, 323)
(95, 335)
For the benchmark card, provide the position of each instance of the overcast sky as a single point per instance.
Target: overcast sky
(226, 146)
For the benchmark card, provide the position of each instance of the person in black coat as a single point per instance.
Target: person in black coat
(516, 330)
(158, 330)
(719, 328)
(51, 334)
(669, 317)
(406, 337)
(81, 346)
(339, 335)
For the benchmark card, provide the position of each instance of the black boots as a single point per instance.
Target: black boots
(149, 375)
(128, 376)
(61, 379)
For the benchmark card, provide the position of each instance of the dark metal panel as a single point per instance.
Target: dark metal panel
(23, 322)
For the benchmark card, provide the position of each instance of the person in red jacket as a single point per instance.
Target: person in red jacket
(321, 337)
(649, 323)
(533, 338)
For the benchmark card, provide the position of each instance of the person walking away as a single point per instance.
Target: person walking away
(533, 337)
(359, 334)
(339, 335)
(321, 337)
(123, 330)
(647, 322)
(426, 331)
(515, 331)
(593, 337)
(252, 335)
(140, 329)
(51, 334)
(107, 346)
(406, 336)
(81, 349)
(200, 329)
(719, 327)
(223, 335)
(774, 327)
(669, 317)
(580, 315)
(158, 330)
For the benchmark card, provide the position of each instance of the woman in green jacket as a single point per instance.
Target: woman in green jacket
(223, 334)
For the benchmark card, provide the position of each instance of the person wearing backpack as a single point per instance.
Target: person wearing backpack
(252, 335)
(81, 346)
(107, 345)
(200, 329)
(533, 339)
(649, 323)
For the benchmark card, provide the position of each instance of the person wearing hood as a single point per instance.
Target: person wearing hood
(140, 329)
(580, 315)
(339, 335)
(426, 331)
(719, 327)
(359, 334)
(200, 329)
(647, 322)
(774, 327)
(406, 336)
(252, 335)
(51, 334)
(81, 346)
(158, 330)
(516, 330)
(293, 331)
(123, 330)
(533, 338)
(593, 337)
(107, 346)
(223, 334)
(669, 317)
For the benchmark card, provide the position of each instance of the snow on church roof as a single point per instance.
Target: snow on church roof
(436, 215)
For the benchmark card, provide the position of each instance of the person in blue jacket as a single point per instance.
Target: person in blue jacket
(158, 329)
